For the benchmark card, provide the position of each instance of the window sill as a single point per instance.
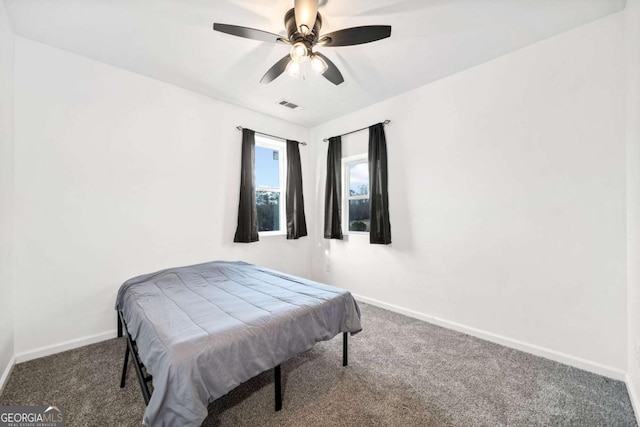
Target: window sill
(271, 233)
(356, 233)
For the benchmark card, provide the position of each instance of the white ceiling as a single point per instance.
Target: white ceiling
(173, 41)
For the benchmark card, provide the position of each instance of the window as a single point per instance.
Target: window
(356, 179)
(270, 181)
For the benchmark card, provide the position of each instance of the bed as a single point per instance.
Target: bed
(198, 332)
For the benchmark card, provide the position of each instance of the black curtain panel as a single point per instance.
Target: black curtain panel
(247, 230)
(296, 222)
(333, 191)
(380, 227)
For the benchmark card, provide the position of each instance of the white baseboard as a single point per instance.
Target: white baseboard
(633, 396)
(6, 373)
(567, 359)
(536, 350)
(63, 346)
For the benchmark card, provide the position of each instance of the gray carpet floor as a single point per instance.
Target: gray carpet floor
(402, 372)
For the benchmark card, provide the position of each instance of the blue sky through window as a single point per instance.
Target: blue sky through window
(267, 168)
(359, 179)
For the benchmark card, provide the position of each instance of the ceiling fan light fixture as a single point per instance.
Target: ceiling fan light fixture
(294, 69)
(305, 13)
(299, 52)
(318, 65)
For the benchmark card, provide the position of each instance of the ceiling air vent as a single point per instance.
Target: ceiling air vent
(289, 105)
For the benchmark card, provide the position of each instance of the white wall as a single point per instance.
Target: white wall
(6, 194)
(118, 175)
(632, 38)
(507, 194)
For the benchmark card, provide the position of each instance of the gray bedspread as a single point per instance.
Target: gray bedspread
(202, 330)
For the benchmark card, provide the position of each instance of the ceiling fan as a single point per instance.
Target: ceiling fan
(303, 24)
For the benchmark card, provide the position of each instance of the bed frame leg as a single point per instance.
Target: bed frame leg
(137, 364)
(278, 387)
(124, 367)
(345, 348)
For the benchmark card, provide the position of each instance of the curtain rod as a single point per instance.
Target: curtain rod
(386, 122)
(272, 136)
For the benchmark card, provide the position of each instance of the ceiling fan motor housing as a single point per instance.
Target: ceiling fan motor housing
(296, 36)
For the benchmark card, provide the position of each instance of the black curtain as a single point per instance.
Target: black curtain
(333, 191)
(380, 228)
(296, 222)
(247, 230)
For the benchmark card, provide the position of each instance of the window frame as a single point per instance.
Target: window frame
(346, 163)
(281, 147)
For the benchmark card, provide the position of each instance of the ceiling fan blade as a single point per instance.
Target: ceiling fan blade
(356, 35)
(275, 71)
(332, 74)
(249, 33)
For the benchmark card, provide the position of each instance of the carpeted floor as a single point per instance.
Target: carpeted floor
(402, 372)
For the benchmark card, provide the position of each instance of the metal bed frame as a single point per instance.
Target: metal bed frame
(144, 378)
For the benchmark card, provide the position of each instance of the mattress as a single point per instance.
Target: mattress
(204, 329)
